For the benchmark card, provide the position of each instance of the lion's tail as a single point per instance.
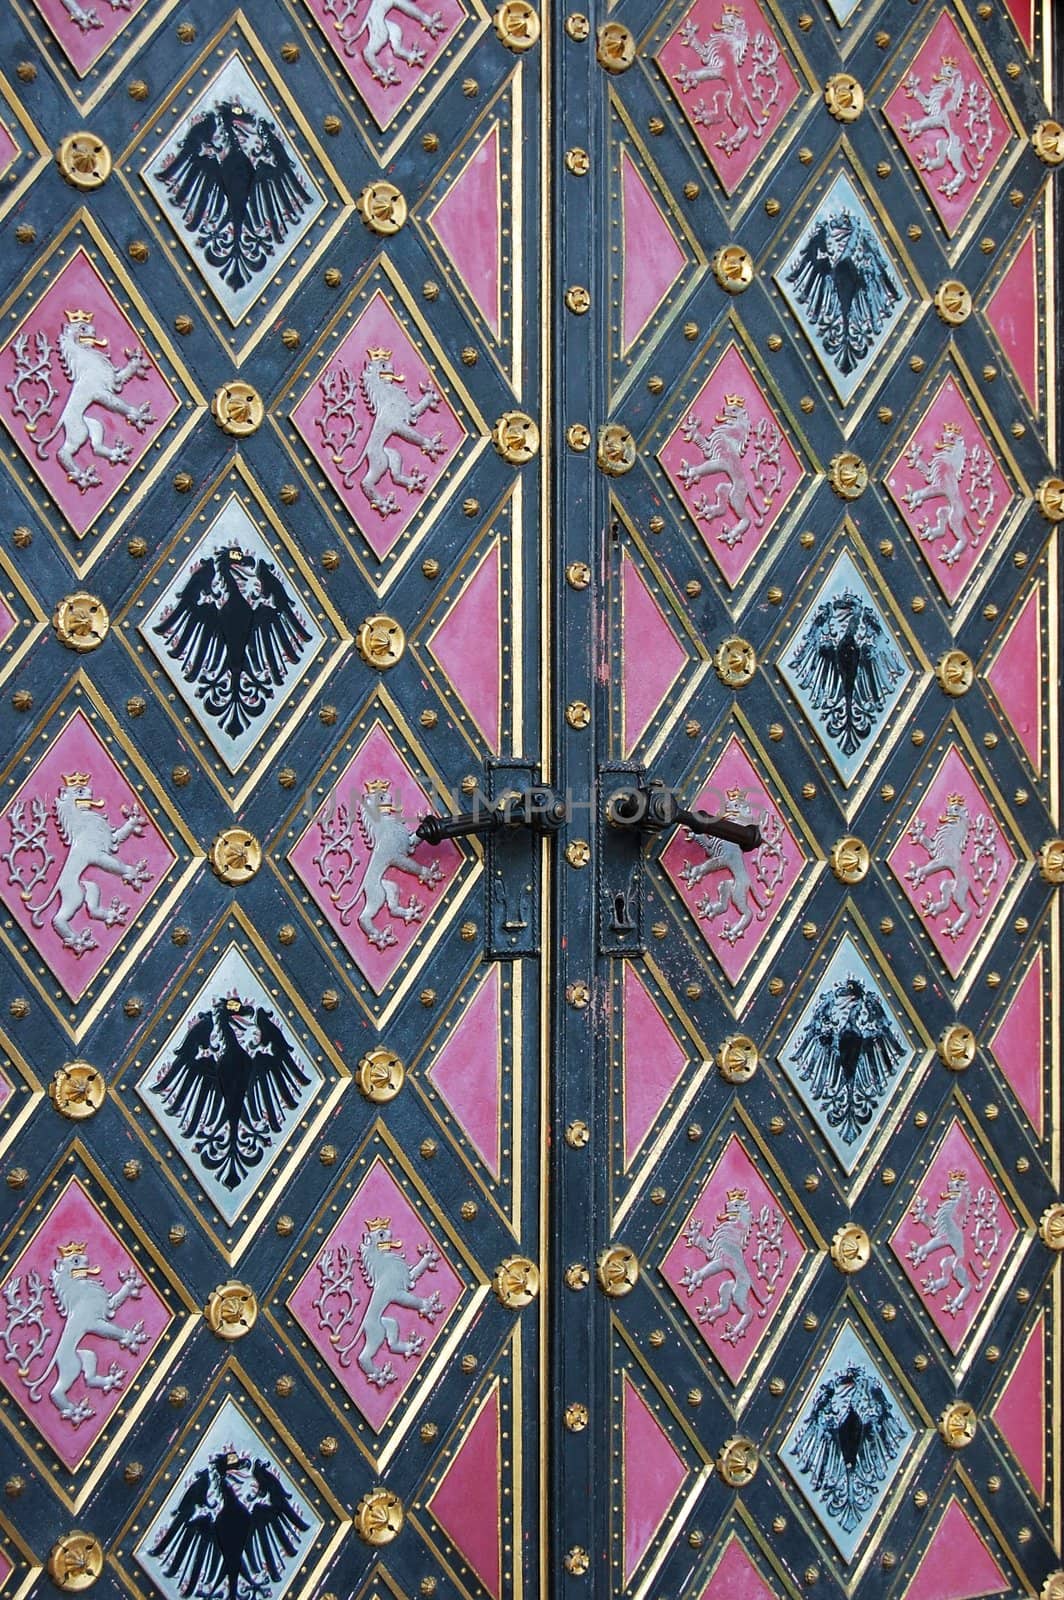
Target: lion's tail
(39, 444)
(37, 912)
(33, 1389)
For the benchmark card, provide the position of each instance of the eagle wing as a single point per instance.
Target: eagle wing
(275, 1526)
(277, 636)
(276, 1076)
(187, 1548)
(190, 1084)
(193, 173)
(194, 630)
(278, 194)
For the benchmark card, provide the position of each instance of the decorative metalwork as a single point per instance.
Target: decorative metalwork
(617, 451)
(81, 622)
(84, 160)
(381, 642)
(844, 97)
(77, 1090)
(379, 1517)
(851, 1248)
(737, 1462)
(75, 1561)
(516, 437)
(236, 855)
(958, 1424)
(382, 208)
(737, 1059)
(237, 408)
(232, 1310)
(615, 47)
(516, 1282)
(380, 1075)
(617, 1271)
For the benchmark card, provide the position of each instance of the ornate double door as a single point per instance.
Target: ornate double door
(452, 457)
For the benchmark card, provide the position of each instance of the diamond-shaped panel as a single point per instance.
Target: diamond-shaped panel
(957, 1563)
(848, 1441)
(735, 899)
(845, 667)
(232, 632)
(234, 187)
(842, 286)
(86, 29)
(376, 1344)
(378, 419)
(733, 1261)
(951, 489)
(956, 1237)
(848, 1053)
(389, 51)
(231, 1084)
(732, 464)
(733, 81)
(85, 861)
(948, 121)
(954, 862)
(82, 399)
(237, 1495)
(372, 880)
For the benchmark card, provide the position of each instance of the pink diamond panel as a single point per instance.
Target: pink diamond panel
(467, 1503)
(957, 1565)
(468, 222)
(1015, 675)
(467, 1072)
(84, 1324)
(653, 1476)
(7, 623)
(736, 1577)
(7, 1089)
(1017, 1043)
(378, 423)
(467, 644)
(74, 344)
(654, 1061)
(652, 656)
(953, 863)
(1013, 311)
(735, 899)
(726, 67)
(955, 1237)
(1022, 14)
(8, 148)
(730, 462)
(7, 1566)
(375, 884)
(651, 259)
(736, 1221)
(950, 489)
(378, 1296)
(86, 29)
(949, 123)
(1021, 1410)
(387, 50)
(82, 859)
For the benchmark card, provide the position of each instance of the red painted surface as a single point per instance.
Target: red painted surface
(1015, 675)
(83, 47)
(468, 646)
(467, 1504)
(652, 654)
(466, 1072)
(956, 1564)
(1013, 313)
(467, 221)
(1021, 1411)
(736, 1577)
(653, 1476)
(1017, 1042)
(651, 258)
(653, 1062)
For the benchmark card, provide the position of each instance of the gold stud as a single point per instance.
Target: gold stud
(236, 855)
(378, 1517)
(848, 475)
(850, 859)
(1047, 142)
(1051, 1226)
(75, 1561)
(615, 47)
(516, 25)
(382, 207)
(515, 437)
(578, 436)
(577, 1134)
(1051, 861)
(578, 299)
(380, 641)
(735, 661)
(578, 852)
(231, 1310)
(237, 408)
(844, 97)
(617, 1271)
(516, 1282)
(84, 160)
(577, 1561)
(578, 574)
(577, 1417)
(578, 714)
(77, 1090)
(1050, 498)
(616, 451)
(953, 302)
(737, 1462)
(733, 268)
(81, 622)
(851, 1248)
(577, 161)
(577, 26)
(737, 1059)
(958, 1424)
(380, 1075)
(956, 1047)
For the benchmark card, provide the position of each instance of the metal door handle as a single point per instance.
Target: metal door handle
(537, 808)
(651, 808)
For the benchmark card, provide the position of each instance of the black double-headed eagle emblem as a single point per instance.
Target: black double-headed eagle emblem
(236, 632)
(848, 1443)
(847, 1053)
(238, 189)
(848, 667)
(845, 283)
(230, 1086)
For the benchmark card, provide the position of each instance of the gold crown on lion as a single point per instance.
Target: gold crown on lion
(378, 353)
(376, 786)
(79, 315)
(735, 1195)
(949, 61)
(72, 1249)
(957, 1175)
(76, 780)
(734, 794)
(953, 430)
(954, 799)
(374, 1224)
(735, 400)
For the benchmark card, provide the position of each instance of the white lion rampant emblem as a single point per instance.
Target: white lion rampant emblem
(724, 450)
(949, 102)
(947, 1228)
(87, 17)
(391, 1280)
(86, 1308)
(964, 514)
(733, 93)
(92, 844)
(965, 884)
(382, 32)
(94, 381)
(725, 1250)
(394, 416)
(737, 892)
(391, 845)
